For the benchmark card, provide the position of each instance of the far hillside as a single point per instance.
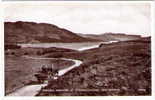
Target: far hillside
(31, 32)
(112, 36)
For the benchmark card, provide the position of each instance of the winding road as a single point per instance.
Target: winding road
(32, 90)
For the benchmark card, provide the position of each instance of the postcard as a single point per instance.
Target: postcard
(78, 48)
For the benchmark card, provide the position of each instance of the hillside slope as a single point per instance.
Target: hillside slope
(30, 32)
(122, 68)
(112, 37)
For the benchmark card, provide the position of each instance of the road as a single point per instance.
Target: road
(32, 90)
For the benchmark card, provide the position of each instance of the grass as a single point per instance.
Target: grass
(123, 66)
(20, 71)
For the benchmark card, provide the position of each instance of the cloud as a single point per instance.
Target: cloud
(132, 18)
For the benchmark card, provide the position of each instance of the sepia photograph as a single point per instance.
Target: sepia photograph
(78, 49)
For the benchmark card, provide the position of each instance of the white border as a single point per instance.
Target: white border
(2, 5)
(1, 51)
(153, 46)
(72, 2)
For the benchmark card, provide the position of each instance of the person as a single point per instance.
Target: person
(51, 69)
(56, 71)
(44, 69)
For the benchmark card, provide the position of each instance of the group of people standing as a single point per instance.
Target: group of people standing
(46, 69)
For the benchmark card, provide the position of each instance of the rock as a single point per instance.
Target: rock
(99, 83)
(93, 71)
(124, 88)
(85, 84)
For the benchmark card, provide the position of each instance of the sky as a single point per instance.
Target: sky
(86, 18)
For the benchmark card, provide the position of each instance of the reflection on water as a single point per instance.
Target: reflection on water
(75, 46)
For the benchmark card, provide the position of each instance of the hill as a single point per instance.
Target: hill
(124, 67)
(112, 37)
(30, 32)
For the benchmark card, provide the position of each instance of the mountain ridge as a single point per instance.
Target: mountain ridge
(112, 36)
(31, 32)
